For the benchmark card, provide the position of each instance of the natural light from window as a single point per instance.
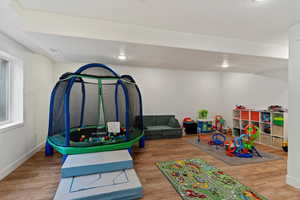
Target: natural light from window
(11, 92)
(4, 91)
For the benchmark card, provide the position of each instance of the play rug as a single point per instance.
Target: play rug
(219, 153)
(195, 179)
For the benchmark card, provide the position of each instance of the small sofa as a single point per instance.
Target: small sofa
(161, 126)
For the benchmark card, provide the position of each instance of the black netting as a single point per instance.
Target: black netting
(95, 100)
(91, 107)
(75, 102)
(135, 124)
(58, 119)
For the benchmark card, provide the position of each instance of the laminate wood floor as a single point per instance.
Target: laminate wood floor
(37, 179)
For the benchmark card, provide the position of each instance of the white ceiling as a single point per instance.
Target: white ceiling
(244, 30)
(264, 22)
(89, 50)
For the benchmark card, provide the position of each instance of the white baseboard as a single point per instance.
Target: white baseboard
(11, 167)
(294, 182)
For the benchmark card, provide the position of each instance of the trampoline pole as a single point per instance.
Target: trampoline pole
(130, 151)
(63, 158)
(142, 142)
(48, 149)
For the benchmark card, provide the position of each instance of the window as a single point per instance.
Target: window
(11, 92)
(4, 91)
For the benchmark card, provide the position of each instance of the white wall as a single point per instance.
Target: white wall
(169, 91)
(254, 91)
(18, 144)
(293, 177)
(184, 92)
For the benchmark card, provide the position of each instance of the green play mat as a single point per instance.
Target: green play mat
(195, 179)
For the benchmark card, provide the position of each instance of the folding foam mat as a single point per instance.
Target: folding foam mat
(117, 185)
(91, 163)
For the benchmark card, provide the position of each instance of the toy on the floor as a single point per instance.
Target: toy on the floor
(204, 126)
(243, 146)
(219, 123)
(285, 146)
(94, 109)
(217, 139)
(229, 131)
(189, 125)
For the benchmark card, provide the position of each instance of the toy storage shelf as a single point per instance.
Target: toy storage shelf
(272, 125)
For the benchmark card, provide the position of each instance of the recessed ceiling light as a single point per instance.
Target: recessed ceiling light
(225, 64)
(122, 57)
(259, 0)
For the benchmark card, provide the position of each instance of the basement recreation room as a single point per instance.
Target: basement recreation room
(149, 99)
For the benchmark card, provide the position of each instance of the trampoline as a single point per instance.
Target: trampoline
(82, 105)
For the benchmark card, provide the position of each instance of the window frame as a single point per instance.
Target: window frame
(8, 92)
(15, 108)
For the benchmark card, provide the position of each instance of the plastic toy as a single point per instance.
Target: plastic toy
(217, 140)
(189, 125)
(202, 114)
(285, 146)
(219, 123)
(229, 132)
(243, 146)
(187, 119)
(204, 126)
(84, 102)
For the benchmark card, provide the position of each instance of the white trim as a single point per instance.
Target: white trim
(14, 165)
(15, 93)
(292, 181)
(10, 126)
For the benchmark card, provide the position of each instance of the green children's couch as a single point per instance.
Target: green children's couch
(161, 126)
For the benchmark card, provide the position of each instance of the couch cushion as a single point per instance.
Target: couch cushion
(158, 128)
(162, 120)
(173, 122)
(149, 120)
(157, 120)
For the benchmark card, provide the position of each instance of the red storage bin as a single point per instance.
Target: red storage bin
(254, 116)
(245, 114)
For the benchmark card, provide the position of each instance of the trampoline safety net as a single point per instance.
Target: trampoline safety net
(82, 103)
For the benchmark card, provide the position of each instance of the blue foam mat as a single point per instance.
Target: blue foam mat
(84, 164)
(116, 185)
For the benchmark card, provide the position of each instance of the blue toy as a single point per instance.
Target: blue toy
(217, 139)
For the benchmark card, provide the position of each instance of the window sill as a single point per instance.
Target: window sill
(10, 126)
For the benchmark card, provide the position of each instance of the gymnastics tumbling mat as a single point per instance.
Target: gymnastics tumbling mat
(90, 163)
(118, 185)
(99, 176)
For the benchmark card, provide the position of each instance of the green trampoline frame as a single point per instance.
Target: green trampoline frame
(108, 147)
